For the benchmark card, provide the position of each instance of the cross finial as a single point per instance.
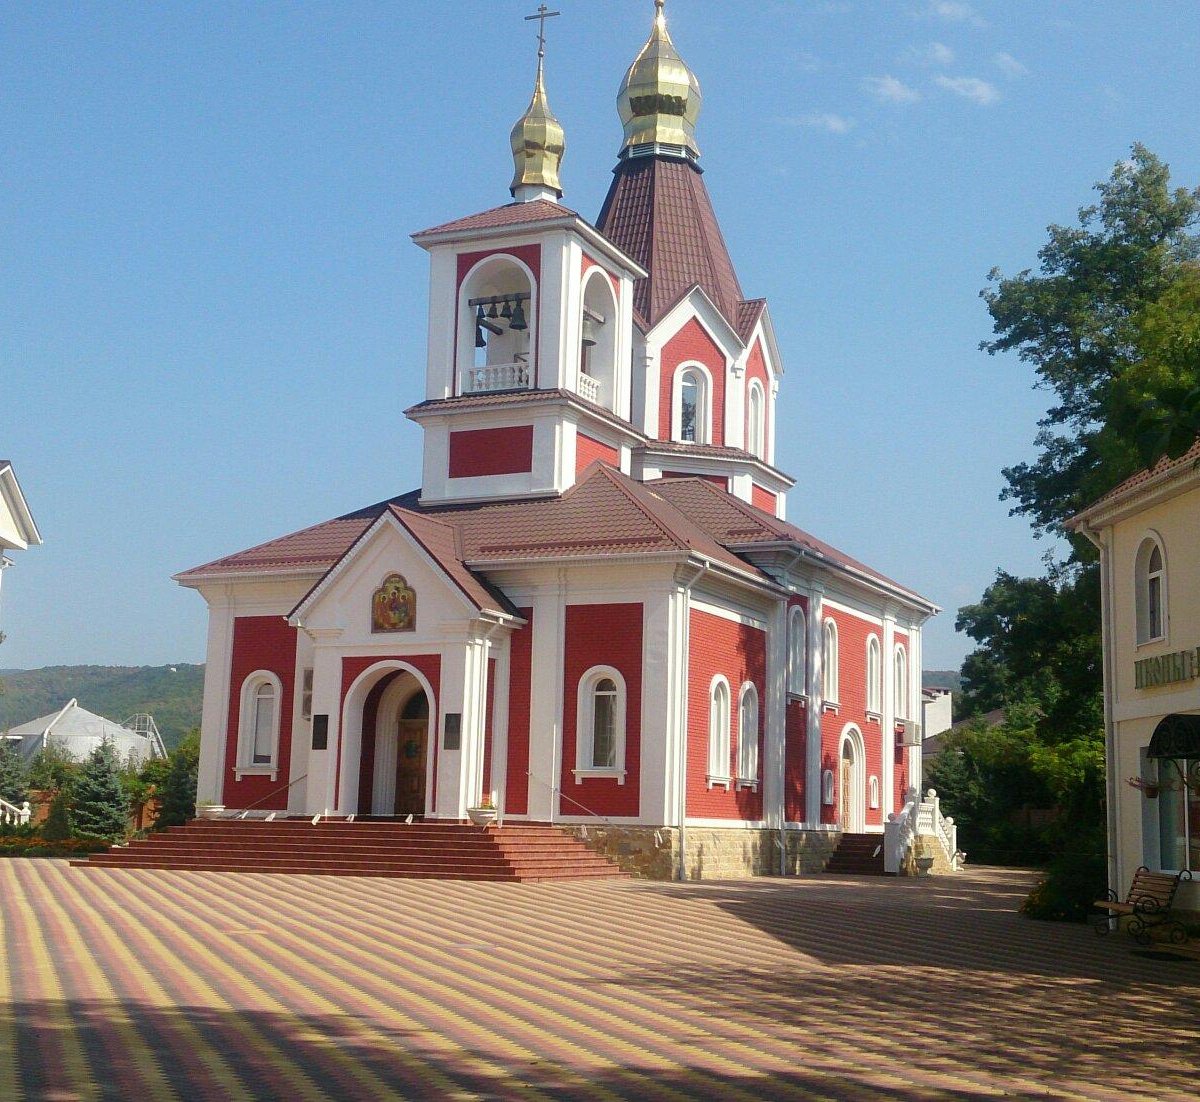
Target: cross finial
(543, 13)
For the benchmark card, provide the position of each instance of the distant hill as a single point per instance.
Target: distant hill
(942, 679)
(171, 694)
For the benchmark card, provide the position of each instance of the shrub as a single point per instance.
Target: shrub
(1074, 880)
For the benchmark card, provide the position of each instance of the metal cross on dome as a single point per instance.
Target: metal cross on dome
(543, 13)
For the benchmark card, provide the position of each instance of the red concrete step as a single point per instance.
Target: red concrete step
(369, 848)
(856, 855)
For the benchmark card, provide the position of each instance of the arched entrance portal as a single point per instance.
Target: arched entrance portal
(401, 751)
(851, 782)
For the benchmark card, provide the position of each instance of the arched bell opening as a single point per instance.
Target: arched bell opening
(598, 341)
(496, 327)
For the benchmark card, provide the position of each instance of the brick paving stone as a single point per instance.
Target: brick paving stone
(142, 984)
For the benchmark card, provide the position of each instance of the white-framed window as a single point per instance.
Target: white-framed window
(718, 732)
(874, 676)
(306, 694)
(873, 792)
(600, 725)
(797, 652)
(902, 703)
(1178, 815)
(691, 405)
(756, 419)
(748, 736)
(1151, 591)
(829, 662)
(258, 729)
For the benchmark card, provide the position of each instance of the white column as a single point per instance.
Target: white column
(327, 700)
(887, 661)
(775, 715)
(812, 782)
(915, 659)
(215, 704)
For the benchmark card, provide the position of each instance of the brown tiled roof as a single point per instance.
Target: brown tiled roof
(748, 313)
(658, 212)
(519, 398)
(511, 214)
(736, 524)
(1164, 465)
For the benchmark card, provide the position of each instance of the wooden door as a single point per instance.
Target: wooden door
(846, 792)
(411, 752)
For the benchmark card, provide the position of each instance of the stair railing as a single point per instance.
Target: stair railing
(270, 795)
(931, 823)
(899, 834)
(12, 815)
(556, 791)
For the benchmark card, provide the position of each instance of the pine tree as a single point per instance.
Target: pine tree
(14, 777)
(179, 788)
(58, 826)
(101, 806)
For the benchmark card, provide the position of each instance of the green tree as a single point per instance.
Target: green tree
(179, 784)
(14, 777)
(53, 767)
(1078, 321)
(58, 826)
(101, 806)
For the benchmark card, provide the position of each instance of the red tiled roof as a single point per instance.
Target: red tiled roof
(511, 214)
(658, 212)
(748, 313)
(522, 398)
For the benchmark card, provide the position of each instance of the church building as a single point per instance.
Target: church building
(593, 612)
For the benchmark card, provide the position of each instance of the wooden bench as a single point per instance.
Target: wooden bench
(1148, 905)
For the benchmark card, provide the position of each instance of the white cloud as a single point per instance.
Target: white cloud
(939, 54)
(1008, 65)
(823, 120)
(887, 89)
(972, 88)
(954, 11)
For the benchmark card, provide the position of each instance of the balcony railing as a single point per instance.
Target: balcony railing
(513, 376)
(589, 388)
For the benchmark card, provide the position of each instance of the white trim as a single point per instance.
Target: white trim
(830, 662)
(853, 813)
(704, 403)
(245, 765)
(732, 615)
(755, 387)
(585, 724)
(740, 824)
(1141, 590)
(748, 770)
(874, 677)
(797, 637)
(902, 687)
(720, 742)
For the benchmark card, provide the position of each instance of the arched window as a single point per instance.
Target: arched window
(748, 734)
(797, 652)
(1151, 585)
(690, 411)
(874, 677)
(756, 420)
(496, 324)
(902, 703)
(718, 733)
(600, 730)
(258, 729)
(598, 340)
(873, 793)
(829, 662)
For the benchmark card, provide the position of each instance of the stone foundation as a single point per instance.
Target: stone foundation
(713, 853)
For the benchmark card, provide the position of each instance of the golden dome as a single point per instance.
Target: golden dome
(659, 100)
(537, 146)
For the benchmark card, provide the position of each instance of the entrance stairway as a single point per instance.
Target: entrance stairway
(443, 851)
(858, 855)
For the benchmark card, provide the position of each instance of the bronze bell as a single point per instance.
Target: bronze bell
(591, 330)
(518, 318)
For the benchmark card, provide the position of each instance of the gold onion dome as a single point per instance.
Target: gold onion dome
(659, 100)
(537, 144)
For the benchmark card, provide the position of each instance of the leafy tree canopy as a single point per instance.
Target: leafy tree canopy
(1080, 320)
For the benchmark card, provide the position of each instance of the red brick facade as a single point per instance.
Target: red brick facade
(476, 452)
(739, 653)
(763, 499)
(587, 451)
(693, 344)
(260, 643)
(602, 635)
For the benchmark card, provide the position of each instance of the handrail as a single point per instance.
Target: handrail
(274, 792)
(11, 814)
(564, 796)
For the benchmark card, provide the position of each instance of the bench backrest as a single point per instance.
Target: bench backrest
(1158, 886)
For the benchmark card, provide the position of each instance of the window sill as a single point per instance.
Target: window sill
(271, 771)
(874, 717)
(744, 782)
(586, 774)
(714, 780)
(830, 706)
(1157, 640)
(799, 698)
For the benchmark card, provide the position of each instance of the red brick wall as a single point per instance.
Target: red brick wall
(762, 499)
(852, 692)
(692, 342)
(430, 667)
(260, 643)
(603, 635)
(720, 646)
(475, 452)
(795, 748)
(756, 368)
(587, 451)
(520, 680)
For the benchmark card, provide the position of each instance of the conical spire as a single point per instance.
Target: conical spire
(659, 100)
(537, 138)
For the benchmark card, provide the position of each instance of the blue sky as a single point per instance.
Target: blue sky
(213, 318)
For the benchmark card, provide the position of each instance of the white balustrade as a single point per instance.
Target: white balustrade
(589, 388)
(513, 376)
(12, 815)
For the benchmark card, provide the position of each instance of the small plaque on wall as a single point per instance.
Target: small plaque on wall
(320, 740)
(452, 740)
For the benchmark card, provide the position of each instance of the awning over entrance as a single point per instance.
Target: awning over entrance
(1176, 736)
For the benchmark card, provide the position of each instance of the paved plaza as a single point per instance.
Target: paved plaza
(155, 985)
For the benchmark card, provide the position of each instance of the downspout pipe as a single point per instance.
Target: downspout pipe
(699, 569)
(1109, 683)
